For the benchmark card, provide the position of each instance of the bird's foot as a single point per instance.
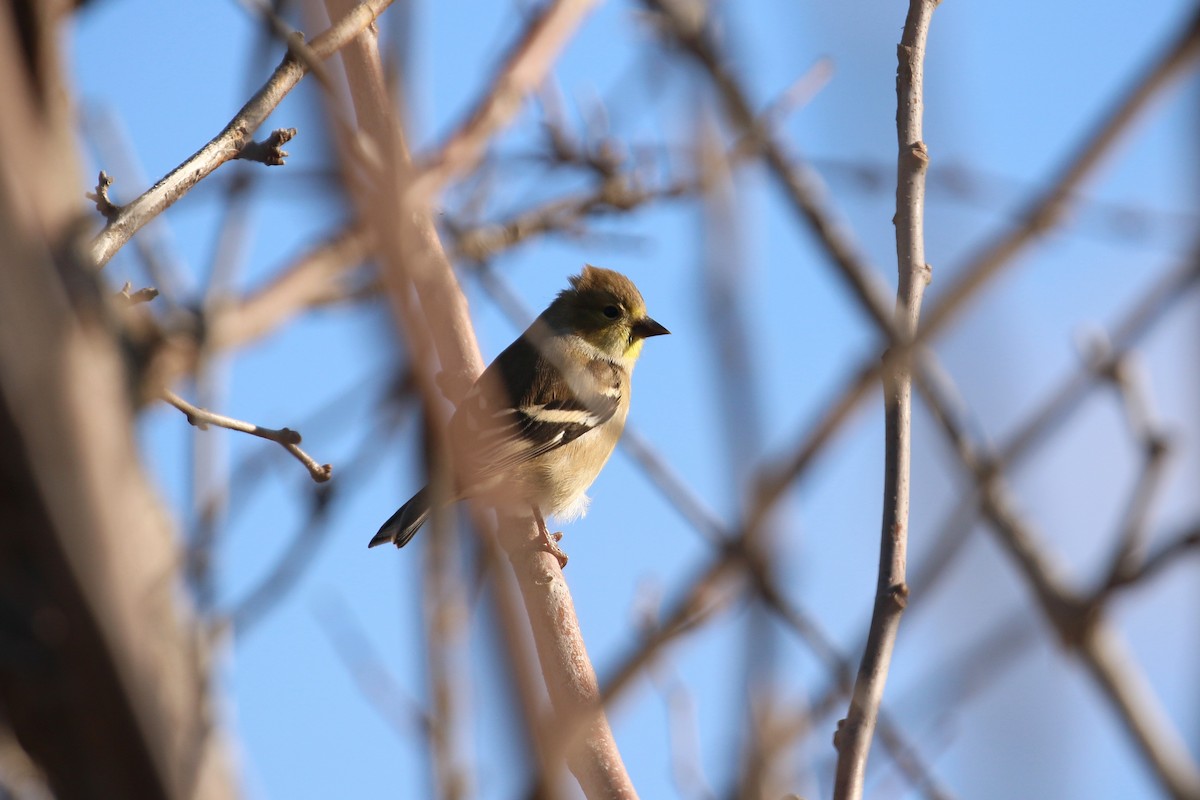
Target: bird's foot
(550, 543)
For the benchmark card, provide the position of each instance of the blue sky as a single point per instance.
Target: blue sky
(1010, 89)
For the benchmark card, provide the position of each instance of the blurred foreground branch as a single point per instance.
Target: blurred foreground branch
(413, 256)
(104, 674)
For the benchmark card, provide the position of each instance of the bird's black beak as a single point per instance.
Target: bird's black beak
(645, 327)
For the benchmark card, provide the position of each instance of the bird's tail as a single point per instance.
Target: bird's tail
(404, 524)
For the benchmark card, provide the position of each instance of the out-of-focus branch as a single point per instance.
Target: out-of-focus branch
(131, 297)
(370, 671)
(315, 278)
(413, 256)
(229, 143)
(802, 186)
(1040, 426)
(891, 592)
(1167, 554)
(1080, 625)
(444, 590)
(615, 194)
(1156, 451)
(522, 72)
(285, 437)
(1044, 211)
(619, 188)
(103, 676)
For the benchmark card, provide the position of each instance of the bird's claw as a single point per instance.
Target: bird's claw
(549, 541)
(551, 544)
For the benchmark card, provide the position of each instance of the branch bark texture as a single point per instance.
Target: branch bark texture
(891, 592)
(230, 142)
(413, 258)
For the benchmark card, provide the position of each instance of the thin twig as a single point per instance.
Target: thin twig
(891, 593)
(1156, 451)
(133, 298)
(226, 145)
(1151, 308)
(106, 207)
(270, 150)
(618, 193)
(285, 437)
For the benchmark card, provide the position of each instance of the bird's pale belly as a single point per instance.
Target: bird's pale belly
(558, 482)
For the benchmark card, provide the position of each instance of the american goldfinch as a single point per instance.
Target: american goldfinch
(541, 421)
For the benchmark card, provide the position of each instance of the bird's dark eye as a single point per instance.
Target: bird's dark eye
(612, 312)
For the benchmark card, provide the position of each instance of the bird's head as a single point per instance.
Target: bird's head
(607, 310)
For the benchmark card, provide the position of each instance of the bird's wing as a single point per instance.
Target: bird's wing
(523, 407)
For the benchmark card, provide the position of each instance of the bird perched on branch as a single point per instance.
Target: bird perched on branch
(540, 422)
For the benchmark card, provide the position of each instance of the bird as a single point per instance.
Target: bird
(536, 428)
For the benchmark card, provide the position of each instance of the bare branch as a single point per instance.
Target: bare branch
(1156, 452)
(522, 72)
(1167, 554)
(286, 437)
(891, 594)
(1079, 624)
(230, 141)
(1045, 210)
(144, 295)
(107, 208)
(615, 194)
(317, 277)
(370, 672)
(413, 256)
(270, 150)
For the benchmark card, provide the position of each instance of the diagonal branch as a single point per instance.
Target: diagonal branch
(1080, 625)
(285, 437)
(413, 257)
(1045, 211)
(230, 142)
(523, 71)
